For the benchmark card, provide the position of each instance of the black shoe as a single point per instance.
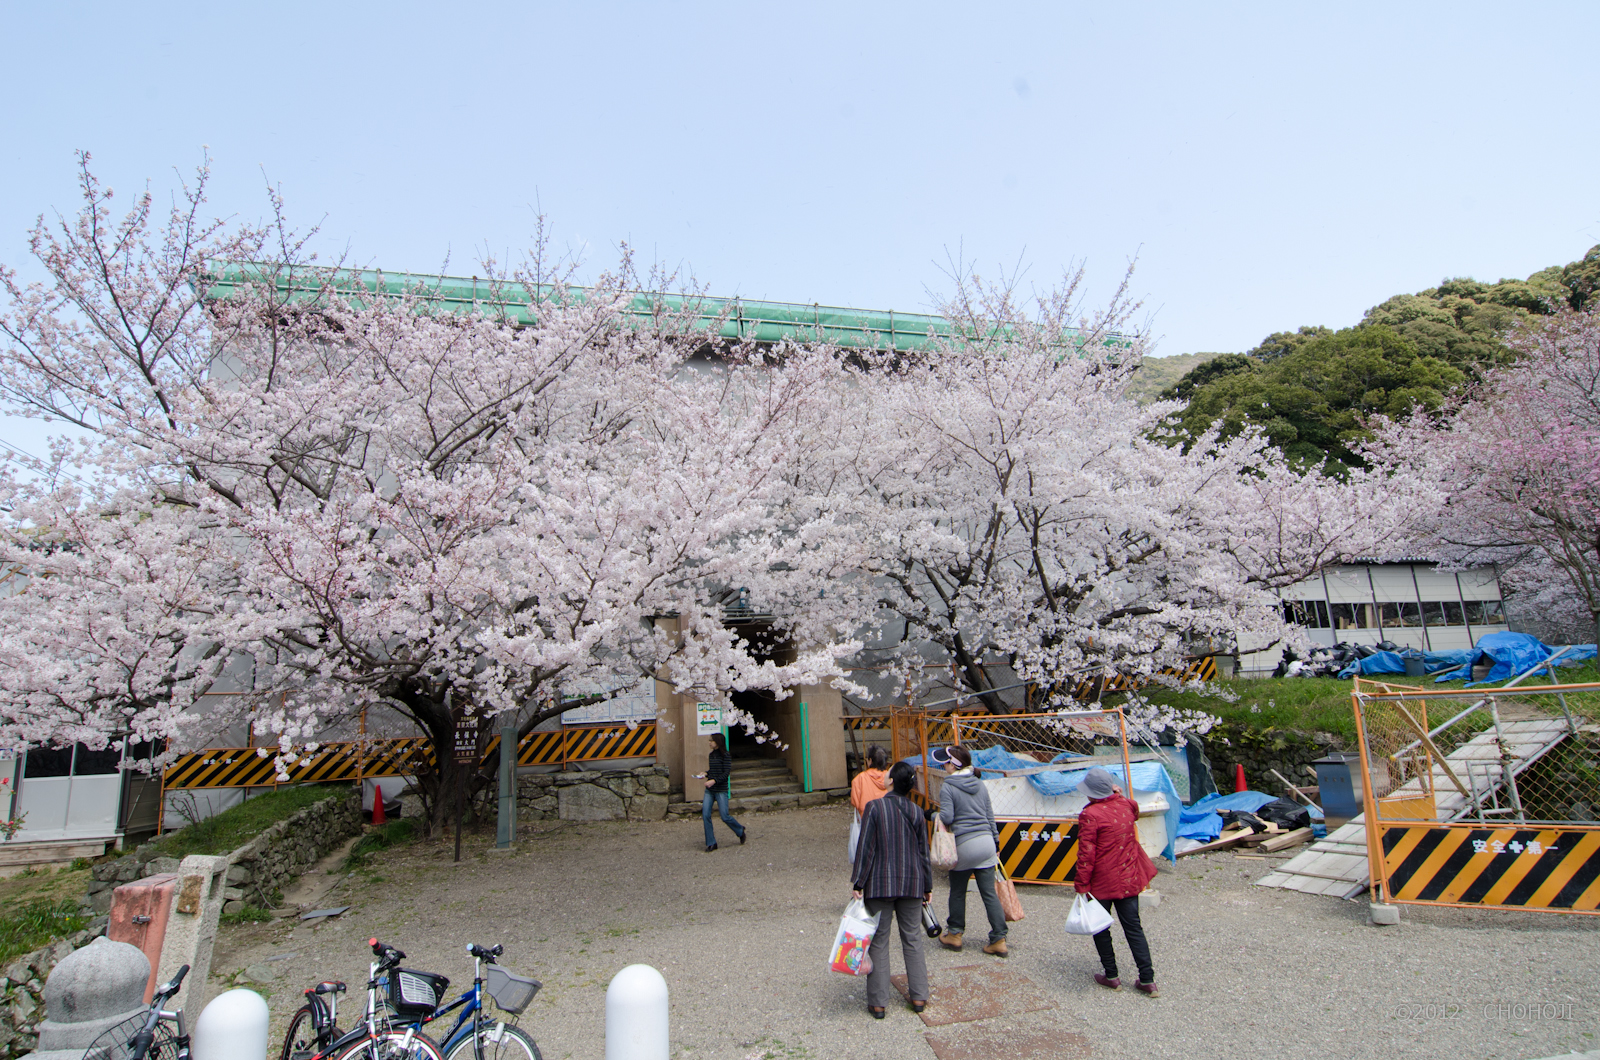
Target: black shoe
(742, 835)
(710, 848)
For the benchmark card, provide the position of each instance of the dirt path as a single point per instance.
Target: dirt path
(741, 936)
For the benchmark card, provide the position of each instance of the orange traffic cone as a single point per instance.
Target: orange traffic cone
(1238, 779)
(378, 817)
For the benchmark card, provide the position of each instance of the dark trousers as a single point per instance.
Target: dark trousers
(1127, 911)
(907, 913)
(991, 902)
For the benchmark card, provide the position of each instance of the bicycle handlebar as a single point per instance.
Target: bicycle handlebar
(385, 953)
(172, 987)
(485, 953)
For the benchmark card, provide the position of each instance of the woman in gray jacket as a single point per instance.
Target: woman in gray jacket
(964, 808)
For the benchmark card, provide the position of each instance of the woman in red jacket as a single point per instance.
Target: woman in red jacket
(1113, 868)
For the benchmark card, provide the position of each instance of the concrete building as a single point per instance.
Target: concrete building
(1409, 602)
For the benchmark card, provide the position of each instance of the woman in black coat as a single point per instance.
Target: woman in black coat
(894, 877)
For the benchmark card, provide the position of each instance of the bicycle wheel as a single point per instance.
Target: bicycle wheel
(501, 1041)
(391, 1045)
(302, 1042)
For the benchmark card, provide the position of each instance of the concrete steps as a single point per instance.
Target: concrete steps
(759, 785)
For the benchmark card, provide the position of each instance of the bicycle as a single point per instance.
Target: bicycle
(474, 1039)
(314, 1033)
(148, 1036)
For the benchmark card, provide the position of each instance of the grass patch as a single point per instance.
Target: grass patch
(1320, 704)
(36, 885)
(235, 827)
(33, 924)
(395, 833)
(248, 914)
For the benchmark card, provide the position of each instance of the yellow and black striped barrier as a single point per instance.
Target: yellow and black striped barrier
(247, 767)
(1532, 867)
(1039, 851)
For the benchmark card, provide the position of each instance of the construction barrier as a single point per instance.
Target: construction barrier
(254, 767)
(1486, 798)
(1039, 851)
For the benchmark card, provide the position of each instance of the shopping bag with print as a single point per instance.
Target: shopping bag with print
(943, 851)
(856, 929)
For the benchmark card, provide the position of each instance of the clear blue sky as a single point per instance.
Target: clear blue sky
(1270, 165)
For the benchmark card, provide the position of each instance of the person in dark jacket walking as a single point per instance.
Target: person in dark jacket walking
(1113, 868)
(964, 808)
(718, 769)
(894, 876)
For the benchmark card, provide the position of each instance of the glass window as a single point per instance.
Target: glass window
(1493, 613)
(1397, 615)
(1452, 613)
(1353, 616)
(49, 762)
(1310, 613)
(89, 763)
(1433, 613)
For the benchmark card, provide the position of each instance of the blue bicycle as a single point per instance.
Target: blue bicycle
(472, 1037)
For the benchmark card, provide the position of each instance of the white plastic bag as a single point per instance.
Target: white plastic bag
(855, 837)
(1087, 917)
(850, 943)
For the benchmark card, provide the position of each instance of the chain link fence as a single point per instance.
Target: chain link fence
(1486, 797)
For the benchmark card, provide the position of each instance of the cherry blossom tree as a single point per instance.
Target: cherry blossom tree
(1518, 457)
(1022, 510)
(377, 501)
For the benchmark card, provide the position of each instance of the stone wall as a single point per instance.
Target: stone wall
(1262, 750)
(265, 865)
(260, 867)
(638, 794)
(22, 993)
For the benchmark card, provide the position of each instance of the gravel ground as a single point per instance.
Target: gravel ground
(741, 936)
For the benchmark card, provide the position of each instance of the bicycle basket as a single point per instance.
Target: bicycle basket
(116, 1043)
(511, 992)
(415, 994)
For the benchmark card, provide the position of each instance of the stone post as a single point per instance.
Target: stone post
(192, 926)
(92, 990)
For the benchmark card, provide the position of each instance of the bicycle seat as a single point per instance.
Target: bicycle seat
(327, 988)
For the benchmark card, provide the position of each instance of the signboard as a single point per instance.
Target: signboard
(466, 745)
(710, 719)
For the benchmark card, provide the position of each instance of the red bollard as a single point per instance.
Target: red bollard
(378, 818)
(1238, 778)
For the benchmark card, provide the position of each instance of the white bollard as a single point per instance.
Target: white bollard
(232, 1027)
(636, 1015)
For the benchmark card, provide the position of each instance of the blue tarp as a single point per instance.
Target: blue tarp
(1512, 654)
(1203, 820)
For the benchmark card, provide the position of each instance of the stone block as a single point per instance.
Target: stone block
(546, 803)
(238, 874)
(583, 776)
(1384, 915)
(90, 990)
(587, 802)
(622, 785)
(655, 784)
(157, 866)
(647, 808)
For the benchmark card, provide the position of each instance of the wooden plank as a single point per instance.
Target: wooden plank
(1285, 841)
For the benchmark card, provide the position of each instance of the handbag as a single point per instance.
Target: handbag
(1087, 917)
(942, 852)
(1006, 891)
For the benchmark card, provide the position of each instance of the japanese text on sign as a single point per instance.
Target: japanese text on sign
(710, 719)
(466, 748)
